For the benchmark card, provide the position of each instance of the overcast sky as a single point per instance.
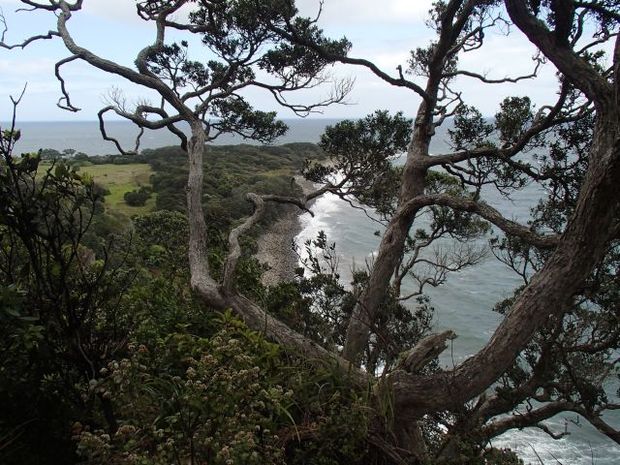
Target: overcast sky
(383, 31)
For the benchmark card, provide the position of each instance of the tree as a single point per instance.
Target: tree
(583, 120)
(60, 318)
(566, 310)
(137, 197)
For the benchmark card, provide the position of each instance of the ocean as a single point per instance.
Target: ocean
(84, 136)
(464, 303)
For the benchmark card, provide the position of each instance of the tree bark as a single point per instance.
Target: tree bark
(581, 248)
(392, 244)
(201, 279)
(222, 297)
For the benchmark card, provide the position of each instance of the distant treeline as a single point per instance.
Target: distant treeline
(231, 171)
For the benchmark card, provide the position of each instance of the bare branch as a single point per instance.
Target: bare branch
(65, 101)
(292, 35)
(504, 80)
(428, 349)
(520, 420)
(17, 101)
(299, 202)
(598, 8)
(597, 421)
(542, 122)
(580, 72)
(339, 93)
(26, 42)
(234, 249)
(485, 211)
(115, 141)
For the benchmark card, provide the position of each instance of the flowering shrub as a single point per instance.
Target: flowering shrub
(189, 400)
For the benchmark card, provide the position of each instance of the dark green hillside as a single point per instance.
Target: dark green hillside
(231, 171)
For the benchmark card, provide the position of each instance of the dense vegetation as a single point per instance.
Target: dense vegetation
(230, 173)
(107, 357)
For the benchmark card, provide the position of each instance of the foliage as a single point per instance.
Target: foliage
(137, 197)
(223, 399)
(193, 401)
(362, 153)
(59, 301)
(582, 339)
(319, 305)
(230, 173)
(245, 400)
(556, 346)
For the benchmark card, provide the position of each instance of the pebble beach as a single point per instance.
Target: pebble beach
(275, 247)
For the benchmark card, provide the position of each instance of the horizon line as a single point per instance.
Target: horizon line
(19, 121)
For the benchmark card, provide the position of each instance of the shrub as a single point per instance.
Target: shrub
(137, 197)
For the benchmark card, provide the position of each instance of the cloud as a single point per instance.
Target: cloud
(383, 32)
(123, 10)
(351, 11)
(16, 68)
(354, 11)
(113, 9)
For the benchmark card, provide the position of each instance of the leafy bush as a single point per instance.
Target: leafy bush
(137, 197)
(192, 400)
(231, 398)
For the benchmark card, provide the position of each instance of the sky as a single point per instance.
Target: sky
(383, 32)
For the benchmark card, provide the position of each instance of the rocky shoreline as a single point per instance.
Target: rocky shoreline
(275, 247)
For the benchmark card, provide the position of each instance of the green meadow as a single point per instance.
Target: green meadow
(119, 179)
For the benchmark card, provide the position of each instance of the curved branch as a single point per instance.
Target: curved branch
(143, 77)
(26, 42)
(166, 121)
(505, 80)
(548, 293)
(104, 132)
(427, 349)
(139, 120)
(65, 98)
(234, 248)
(507, 153)
(596, 7)
(299, 202)
(487, 212)
(601, 425)
(292, 36)
(580, 72)
(338, 95)
(533, 418)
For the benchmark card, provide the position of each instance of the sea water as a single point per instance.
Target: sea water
(85, 136)
(464, 303)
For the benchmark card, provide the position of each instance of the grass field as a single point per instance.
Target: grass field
(119, 179)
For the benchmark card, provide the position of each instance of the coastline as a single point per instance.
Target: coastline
(275, 247)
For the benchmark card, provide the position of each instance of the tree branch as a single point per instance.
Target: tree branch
(581, 73)
(294, 37)
(505, 80)
(549, 292)
(598, 8)
(26, 42)
(485, 211)
(234, 248)
(541, 124)
(65, 98)
(520, 420)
